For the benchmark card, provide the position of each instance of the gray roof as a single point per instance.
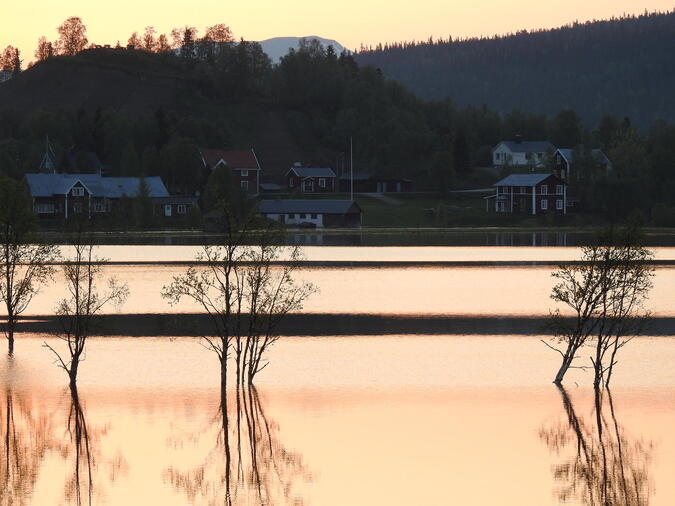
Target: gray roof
(597, 154)
(47, 185)
(528, 146)
(312, 171)
(522, 180)
(319, 206)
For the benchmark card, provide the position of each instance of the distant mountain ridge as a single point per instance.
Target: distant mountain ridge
(623, 66)
(277, 47)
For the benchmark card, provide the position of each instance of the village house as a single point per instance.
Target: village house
(529, 193)
(519, 153)
(243, 163)
(63, 196)
(563, 162)
(315, 213)
(365, 182)
(310, 179)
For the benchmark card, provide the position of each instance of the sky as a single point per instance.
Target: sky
(350, 22)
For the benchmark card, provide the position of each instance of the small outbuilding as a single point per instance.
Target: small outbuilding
(318, 213)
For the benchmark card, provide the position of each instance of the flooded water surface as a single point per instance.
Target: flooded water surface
(341, 417)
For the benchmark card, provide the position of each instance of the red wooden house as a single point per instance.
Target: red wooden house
(529, 193)
(242, 162)
(310, 179)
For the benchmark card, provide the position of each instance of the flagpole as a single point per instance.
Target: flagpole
(351, 168)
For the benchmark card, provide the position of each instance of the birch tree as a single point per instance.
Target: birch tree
(26, 264)
(82, 303)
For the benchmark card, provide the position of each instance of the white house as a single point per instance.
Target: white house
(521, 153)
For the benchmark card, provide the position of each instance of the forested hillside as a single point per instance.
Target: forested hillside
(623, 66)
(145, 112)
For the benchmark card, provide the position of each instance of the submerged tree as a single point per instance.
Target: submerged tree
(246, 290)
(84, 301)
(25, 264)
(605, 291)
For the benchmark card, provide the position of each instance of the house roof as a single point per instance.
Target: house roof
(47, 185)
(319, 206)
(528, 146)
(522, 180)
(234, 158)
(312, 171)
(597, 154)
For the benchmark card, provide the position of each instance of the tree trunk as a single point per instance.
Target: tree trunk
(563, 369)
(223, 374)
(10, 335)
(72, 372)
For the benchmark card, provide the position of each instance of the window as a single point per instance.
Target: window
(291, 182)
(182, 209)
(244, 185)
(559, 189)
(167, 210)
(544, 205)
(322, 182)
(523, 189)
(244, 173)
(544, 189)
(559, 204)
(498, 156)
(291, 216)
(44, 208)
(98, 207)
(77, 207)
(302, 216)
(78, 191)
(314, 216)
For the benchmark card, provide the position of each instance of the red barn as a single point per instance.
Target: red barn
(310, 179)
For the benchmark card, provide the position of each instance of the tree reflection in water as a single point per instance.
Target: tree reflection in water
(27, 437)
(248, 464)
(608, 467)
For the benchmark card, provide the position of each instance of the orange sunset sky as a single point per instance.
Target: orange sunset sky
(351, 22)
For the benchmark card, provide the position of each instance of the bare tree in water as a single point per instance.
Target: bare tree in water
(606, 291)
(25, 263)
(246, 290)
(84, 301)
(601, 465)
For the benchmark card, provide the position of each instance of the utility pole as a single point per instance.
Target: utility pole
(351, 168)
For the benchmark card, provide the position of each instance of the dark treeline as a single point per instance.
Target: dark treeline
(620, 66)
(148, 112)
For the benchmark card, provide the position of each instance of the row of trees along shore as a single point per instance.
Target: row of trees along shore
(319, 99)
(246, 291)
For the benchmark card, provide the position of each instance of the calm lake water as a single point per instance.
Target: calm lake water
(385, 419)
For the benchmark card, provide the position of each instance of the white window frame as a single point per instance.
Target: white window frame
(181, 209)
(544, 205)
(98, 207)
(322, 182)
(559, 204)
(45, 208)
(77, 207)
(244, 172)
(77, 191)
(168, 211)
(544, 189)
(559, 189)
(291, 182)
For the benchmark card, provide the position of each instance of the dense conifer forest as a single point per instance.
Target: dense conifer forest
(622, 66)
